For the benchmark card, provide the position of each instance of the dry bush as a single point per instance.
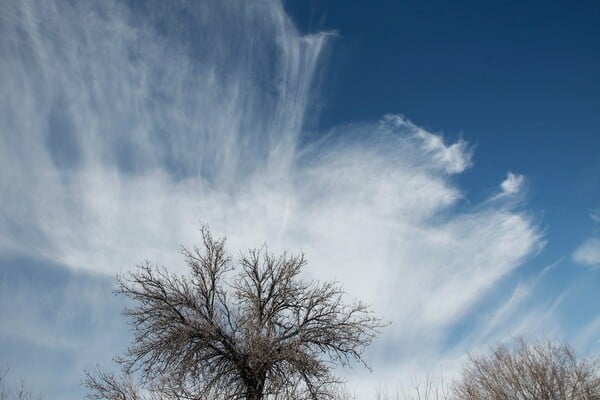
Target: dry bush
(537, 370)
(540, 370)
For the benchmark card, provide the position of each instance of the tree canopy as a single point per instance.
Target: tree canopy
(248, 329)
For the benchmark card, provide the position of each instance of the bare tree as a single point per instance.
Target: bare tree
(428, 387)
(540, 370)
(20, 393)
(431, 387)
(251, 329)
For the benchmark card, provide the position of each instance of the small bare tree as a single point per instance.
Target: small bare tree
(21, 393)
(427, 387)
(251, 329)
(539, 370)
(431, 387)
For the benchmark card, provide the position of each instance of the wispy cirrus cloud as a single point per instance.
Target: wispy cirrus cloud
(123, 129)
(512, 184)
(595, 215)
(588, 253)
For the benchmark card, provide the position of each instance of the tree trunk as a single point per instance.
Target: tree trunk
(255, 390)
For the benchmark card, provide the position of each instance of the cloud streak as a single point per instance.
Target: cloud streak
(588, 253)
(123, 129)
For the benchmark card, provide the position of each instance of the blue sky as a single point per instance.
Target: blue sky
(441, 160)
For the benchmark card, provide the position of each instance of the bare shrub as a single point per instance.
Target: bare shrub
(540, 370)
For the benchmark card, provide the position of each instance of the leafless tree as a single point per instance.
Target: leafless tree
(431, 387)
(20, 393)
(252, 329)
(427, 387)
(540, 370)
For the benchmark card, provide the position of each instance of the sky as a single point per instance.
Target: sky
(441, 160)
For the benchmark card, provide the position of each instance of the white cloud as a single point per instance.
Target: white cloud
(513, 184)
(453, 158)
(589, 336)
(119, 137)
(595, 216)
(588, 253)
